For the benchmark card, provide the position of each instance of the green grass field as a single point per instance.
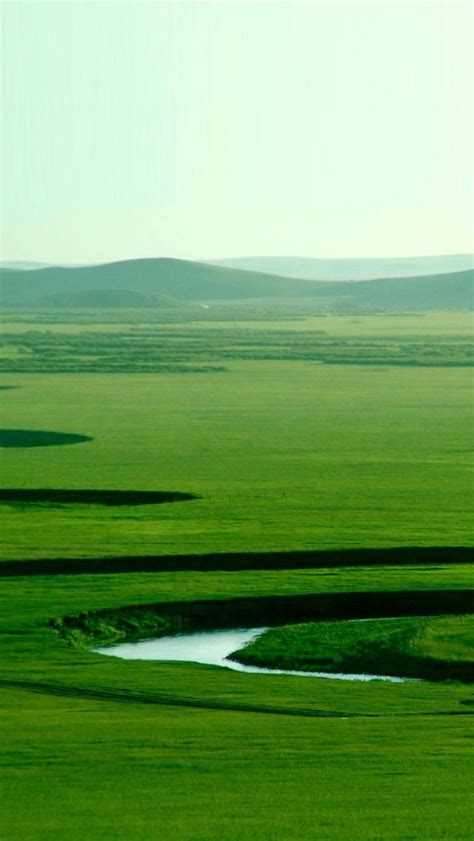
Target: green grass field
(433, 647)
(283, 455)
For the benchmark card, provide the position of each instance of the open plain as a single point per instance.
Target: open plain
(292, 458)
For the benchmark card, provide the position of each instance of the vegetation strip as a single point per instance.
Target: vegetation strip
(160, 349)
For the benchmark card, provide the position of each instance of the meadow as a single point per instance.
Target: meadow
(431, 647)
(293, 460)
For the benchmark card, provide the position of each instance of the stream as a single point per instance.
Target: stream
(213, 648)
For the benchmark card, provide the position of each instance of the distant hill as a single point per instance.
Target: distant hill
(29, 266)
(180, 279)
(312, 268)
(452, 290)
(183, 280)
(22, 265)
(105, 298)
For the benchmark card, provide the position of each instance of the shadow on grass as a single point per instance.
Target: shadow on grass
(59, 497)
(36, 438)
(233, 562)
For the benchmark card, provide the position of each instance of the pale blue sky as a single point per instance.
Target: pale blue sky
(223, 129)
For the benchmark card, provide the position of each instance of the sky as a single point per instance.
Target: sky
(216, 129)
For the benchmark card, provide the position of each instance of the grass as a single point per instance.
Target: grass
(33, 652)
(127, 771)
(115, 774)
(143, 621)
(437, 648)
(303, 472)
(160, 347)
(121, 747)
(283, 455)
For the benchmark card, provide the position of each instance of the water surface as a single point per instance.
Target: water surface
(213, 648)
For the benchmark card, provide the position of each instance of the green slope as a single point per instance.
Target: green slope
(453, 290)
(180, 279)
(93, 298)
(313, 268)
(188, 281)
(316, 268)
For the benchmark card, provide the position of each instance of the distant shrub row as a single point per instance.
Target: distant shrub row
(188, 349)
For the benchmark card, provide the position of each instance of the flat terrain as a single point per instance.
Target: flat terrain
(120, 746)
(285, 453)
(278, 455)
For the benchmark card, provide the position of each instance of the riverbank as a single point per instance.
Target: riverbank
(433, 648)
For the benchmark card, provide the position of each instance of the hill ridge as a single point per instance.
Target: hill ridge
(189, 281)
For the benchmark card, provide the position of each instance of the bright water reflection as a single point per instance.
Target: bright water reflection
(213, 648)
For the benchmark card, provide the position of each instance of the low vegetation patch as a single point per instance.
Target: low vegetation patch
(435, 648)
(188, 347)
(36, 438)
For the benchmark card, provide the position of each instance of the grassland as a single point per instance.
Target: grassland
(436, 648)
(123, 771)
(156, 346)
(122, 747)
(284, 456)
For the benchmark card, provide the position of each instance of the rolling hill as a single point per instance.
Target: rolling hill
(187, 281)
(311, 268)
(453, 290)
(180, 279)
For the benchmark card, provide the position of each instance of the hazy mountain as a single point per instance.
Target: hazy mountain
(187, 281)
(28, 266)
(310, 268)
(22, 265)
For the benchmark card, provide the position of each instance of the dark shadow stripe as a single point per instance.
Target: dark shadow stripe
(135, 621)
(237, 561)
(39, 438)
(62, 496)
(167, 700)
(76, 692)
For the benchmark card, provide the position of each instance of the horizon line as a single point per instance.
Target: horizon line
(110, 261)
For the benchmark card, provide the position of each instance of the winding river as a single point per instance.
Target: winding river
(213, 648)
